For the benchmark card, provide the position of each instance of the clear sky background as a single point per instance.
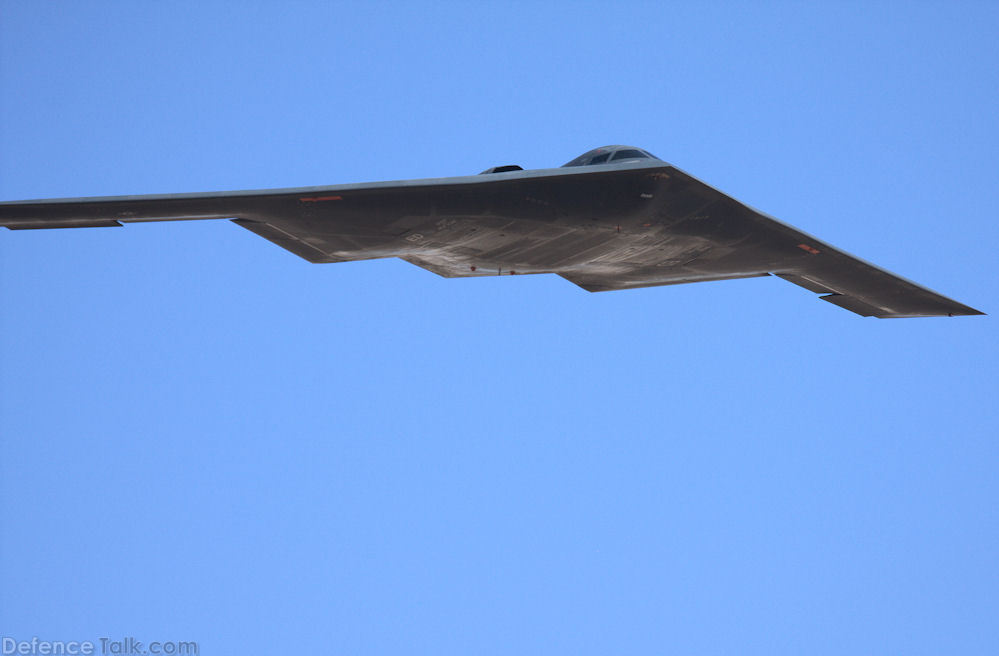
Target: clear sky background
(206, 438)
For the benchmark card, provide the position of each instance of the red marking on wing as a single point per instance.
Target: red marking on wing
(316, 199)
(809, 249)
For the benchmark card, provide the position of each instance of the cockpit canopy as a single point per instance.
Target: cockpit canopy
(610, 154)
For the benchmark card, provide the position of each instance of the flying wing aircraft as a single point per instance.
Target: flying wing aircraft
(615, 217)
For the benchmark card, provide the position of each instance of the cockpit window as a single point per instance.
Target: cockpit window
(590, 157)
(612, 153)
(629, 153)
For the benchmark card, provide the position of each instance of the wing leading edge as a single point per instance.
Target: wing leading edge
(602, 227)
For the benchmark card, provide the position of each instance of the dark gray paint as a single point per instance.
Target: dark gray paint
(618, 225)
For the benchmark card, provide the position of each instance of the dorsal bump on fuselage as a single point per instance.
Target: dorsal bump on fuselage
(611, 155)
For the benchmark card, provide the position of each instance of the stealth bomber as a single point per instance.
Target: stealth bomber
(614, 218)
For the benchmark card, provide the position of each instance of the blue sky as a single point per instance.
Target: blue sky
(206, 438)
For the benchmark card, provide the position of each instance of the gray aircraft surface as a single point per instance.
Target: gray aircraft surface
(613, 218)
